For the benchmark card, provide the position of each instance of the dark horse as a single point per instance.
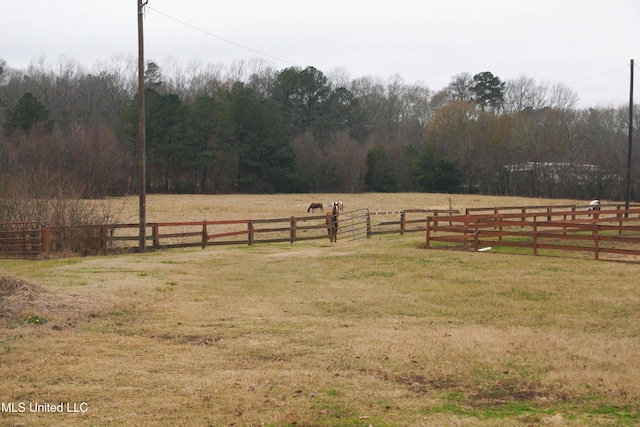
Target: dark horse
(332, 223)
(314, 206)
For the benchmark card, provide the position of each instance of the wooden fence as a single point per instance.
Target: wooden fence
(549, 209)
(614, 231)
(405, 221)
(611, 230)
(100, 239)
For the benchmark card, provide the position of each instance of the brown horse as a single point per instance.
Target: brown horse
(332, 223)
(314, 206)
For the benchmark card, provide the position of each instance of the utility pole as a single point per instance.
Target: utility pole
(142, 183)
(628, 195)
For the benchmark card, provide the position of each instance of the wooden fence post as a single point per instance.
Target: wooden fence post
(155, 235)
(475, 240)
(46, 239)
(596, 240)
(620, 219)
(103, 238)
(44, 243)
(294, 223)
(402, 222)
(204, 234)
(476, 230)
(428, 231)
(250, 231)
(535, 236)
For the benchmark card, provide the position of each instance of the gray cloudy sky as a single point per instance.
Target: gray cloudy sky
(585, 44)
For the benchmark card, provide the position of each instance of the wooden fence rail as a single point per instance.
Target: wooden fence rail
(607, 231)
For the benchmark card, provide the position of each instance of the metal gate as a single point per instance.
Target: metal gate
(21, 239)
(354, 225)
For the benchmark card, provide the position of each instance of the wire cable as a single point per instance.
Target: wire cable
(598, 76)
(221, 38)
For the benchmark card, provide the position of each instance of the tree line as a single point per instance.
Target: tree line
(250, 128)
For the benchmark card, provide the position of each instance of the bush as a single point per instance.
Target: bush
(56, 201)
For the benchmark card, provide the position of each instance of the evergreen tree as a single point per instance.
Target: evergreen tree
(432, 173)
(488, 91)
(26, 116)
(212, 129)
(168, 145)
(303, 93)
(380, 176)
(265, 159)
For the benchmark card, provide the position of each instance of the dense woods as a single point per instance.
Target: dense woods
(250, 128)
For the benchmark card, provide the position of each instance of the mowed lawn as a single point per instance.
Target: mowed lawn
(377, 332)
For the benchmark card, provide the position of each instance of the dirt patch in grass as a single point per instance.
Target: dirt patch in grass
(24, 301)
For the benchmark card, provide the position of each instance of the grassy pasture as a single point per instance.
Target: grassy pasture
(375, 332)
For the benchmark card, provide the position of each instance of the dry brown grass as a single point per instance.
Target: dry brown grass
(374, 332)
(199, 207)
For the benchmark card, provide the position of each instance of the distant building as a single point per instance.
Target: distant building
(557, 172)
(561, 179)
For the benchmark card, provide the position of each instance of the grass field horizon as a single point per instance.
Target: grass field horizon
(377, 332)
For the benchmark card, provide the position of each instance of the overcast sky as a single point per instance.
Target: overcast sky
(585, 44)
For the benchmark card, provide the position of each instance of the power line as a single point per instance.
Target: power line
(220, 38)
(598, 76)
